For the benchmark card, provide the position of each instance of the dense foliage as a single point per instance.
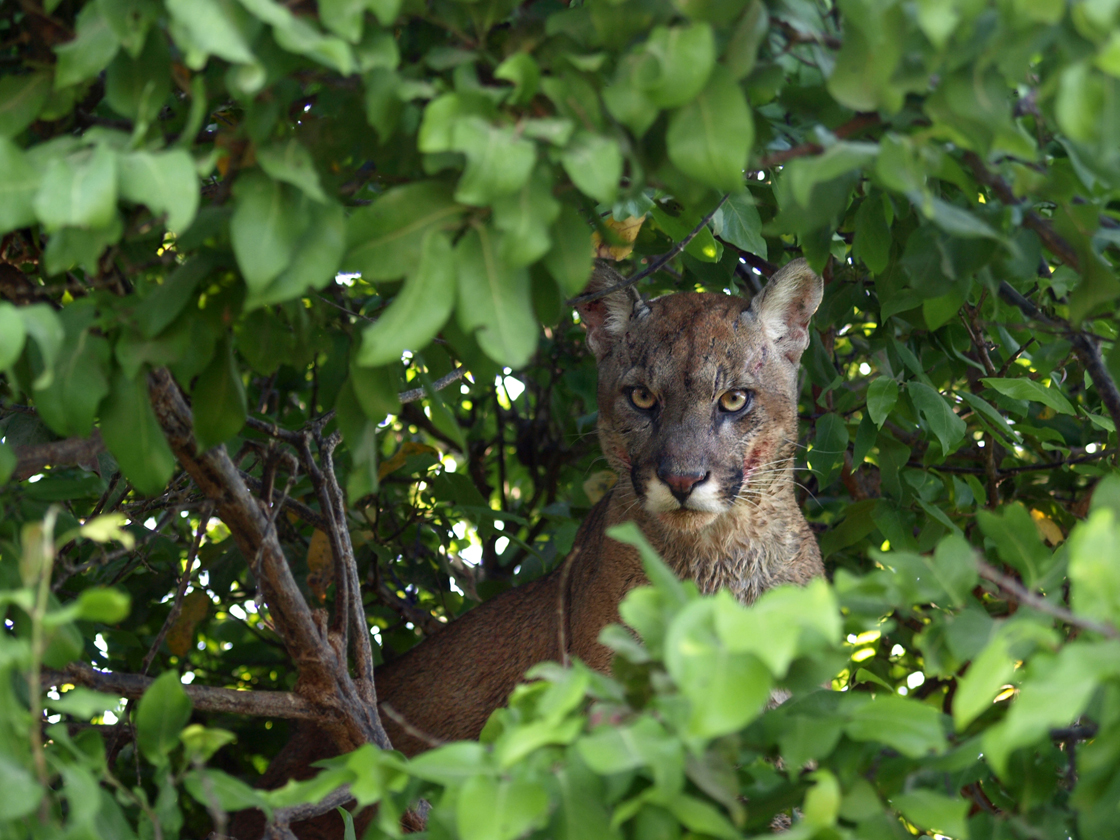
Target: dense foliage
(264, 207)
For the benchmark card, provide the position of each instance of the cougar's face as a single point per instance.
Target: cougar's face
(697, 407)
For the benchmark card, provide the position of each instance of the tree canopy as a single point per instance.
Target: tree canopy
(287, 347)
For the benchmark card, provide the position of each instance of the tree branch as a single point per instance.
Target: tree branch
(324, 675)
(271, 704)
(653, 267)
(1024, 596)
(31, 460)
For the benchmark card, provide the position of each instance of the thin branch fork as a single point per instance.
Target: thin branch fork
(655, 266)
(324, 675)
(1024, 596)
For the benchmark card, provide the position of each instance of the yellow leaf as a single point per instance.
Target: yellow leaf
(181, 634)
(408, 448)
(1047, 528)
(320, 564)
(626, 231)
(597, 485)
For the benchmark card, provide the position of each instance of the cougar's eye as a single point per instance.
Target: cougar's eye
(732, 401)
(642, 399)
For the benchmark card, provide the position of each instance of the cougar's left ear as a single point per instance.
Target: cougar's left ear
(606, 318)
(785, 306)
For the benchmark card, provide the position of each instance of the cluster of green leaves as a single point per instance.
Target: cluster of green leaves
(181, 182)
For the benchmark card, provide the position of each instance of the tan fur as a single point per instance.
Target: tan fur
(687, 349)
(737, 527)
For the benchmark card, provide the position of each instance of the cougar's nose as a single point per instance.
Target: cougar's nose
(681, 484)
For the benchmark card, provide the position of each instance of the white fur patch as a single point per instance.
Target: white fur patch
(705, 497)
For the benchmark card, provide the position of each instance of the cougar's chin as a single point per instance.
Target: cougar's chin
(687, 521)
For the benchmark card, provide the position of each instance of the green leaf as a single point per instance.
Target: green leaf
(164, 181)
(523, 71)
(375, 390)
(1094, 578)
(882, 395)
(525, 217)
(133, 435)
(1055, 692)
(872, 242)
(418, 311)
(702, 817)
(988, 673)
(291, 162)
(265, 227)
(594, 163)
(492, 809)
(69, 403)
(21, 99)
(1017, 541)
(360, 435)
(385, 239)
(738, 222)
(130, 21)
(79, 190)
(161, 714)
(45, 329)
(939, 417)
(660, 575)
(82, 702)
(937, 812)
(709, 138)
(838, 159)
(19, 182)
(210, 27)
(318, 253)
(137, 86)
(209, 787)
(726, 688)
(108, 606)
(343, 17)
(12, 335)
(164, 304)
(8, 462)
(911, 727)
(1028, 389)
(989, 413)
(862, 78)
(569, 261)
(829, 446)
(22, 794)
(91, 50)
(674, 64)
(494, 300)
(499, 160)
(218, 399)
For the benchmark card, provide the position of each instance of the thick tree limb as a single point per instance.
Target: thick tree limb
(31, 460)
(324, 675)
(272, 704)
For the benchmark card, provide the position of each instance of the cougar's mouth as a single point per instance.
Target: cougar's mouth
(687, 520)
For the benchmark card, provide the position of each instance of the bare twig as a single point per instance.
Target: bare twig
(1024, 596)
(655, 266)
(852, 126)
(284, 817)
(415, 394)
(419, 734)
(271, 704)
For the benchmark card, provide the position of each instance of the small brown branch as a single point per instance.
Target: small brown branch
(31, 460)
(415, 394)
(1024, 596)
(1084, 345)
(856, 124)
(323, 674)
(1056, 244)
(655, 266)
(419, 734)
(284, 817)
(309, 515)
(270, 704)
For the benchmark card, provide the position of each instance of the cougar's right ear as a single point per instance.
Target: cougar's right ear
(606, 318)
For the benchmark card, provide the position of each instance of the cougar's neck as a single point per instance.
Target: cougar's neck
(748, 550)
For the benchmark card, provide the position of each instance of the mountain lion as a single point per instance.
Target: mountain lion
(698, 416)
